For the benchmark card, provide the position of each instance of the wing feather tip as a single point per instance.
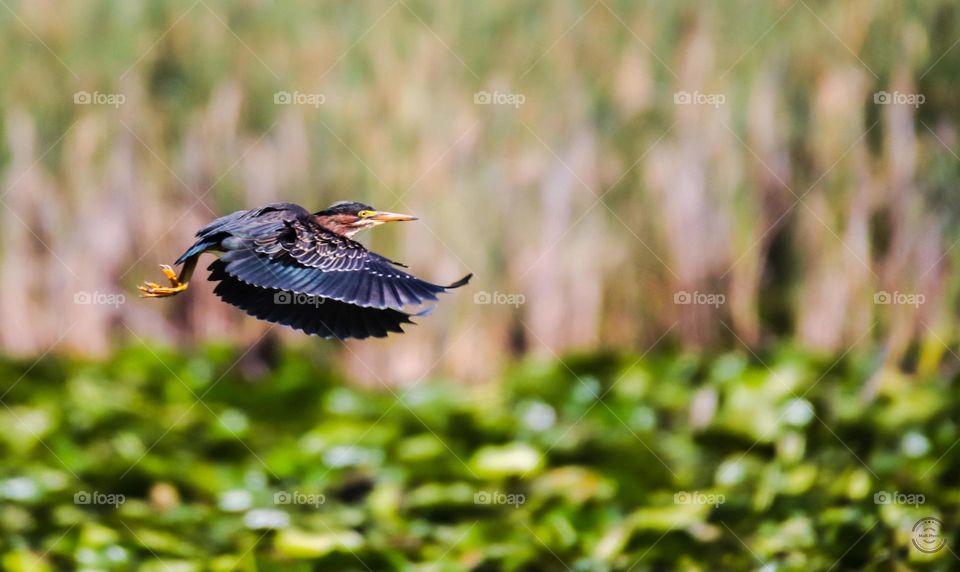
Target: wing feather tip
(462, 282)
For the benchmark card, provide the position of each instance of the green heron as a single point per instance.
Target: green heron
(283, 264)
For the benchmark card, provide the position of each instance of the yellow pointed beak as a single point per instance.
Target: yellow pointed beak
(392, 217)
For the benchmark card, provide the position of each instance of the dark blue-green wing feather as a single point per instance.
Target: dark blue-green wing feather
(321, 317)
(306, 258)
(281, 247)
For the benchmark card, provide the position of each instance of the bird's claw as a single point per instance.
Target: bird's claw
(154, 290)
(170, 274)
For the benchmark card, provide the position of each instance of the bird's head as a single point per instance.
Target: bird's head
(347, 218)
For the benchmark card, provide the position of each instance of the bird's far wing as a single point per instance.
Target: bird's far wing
(249, 224)
(306, 258)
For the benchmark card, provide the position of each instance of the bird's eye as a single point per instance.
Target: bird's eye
(366, 214)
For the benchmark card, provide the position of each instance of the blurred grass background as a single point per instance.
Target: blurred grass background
(802, 201)
(692, 198)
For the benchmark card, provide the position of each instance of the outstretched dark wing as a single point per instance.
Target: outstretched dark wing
(323, 317)
(306, 258)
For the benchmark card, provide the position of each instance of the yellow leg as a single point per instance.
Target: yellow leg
(154, 290)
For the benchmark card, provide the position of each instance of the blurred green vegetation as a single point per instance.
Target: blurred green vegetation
(791, 455)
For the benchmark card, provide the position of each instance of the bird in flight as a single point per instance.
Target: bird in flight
(283, 264)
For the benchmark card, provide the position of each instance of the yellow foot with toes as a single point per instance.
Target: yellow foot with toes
(154, 290)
